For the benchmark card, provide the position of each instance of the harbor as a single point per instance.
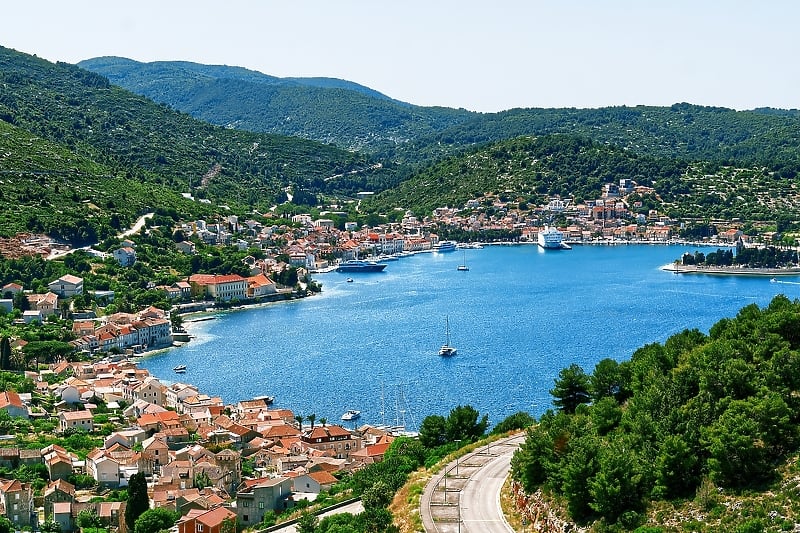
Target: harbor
(518, 316)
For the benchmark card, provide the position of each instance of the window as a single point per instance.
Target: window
(260, 505)
(245, 518)
(199, 528)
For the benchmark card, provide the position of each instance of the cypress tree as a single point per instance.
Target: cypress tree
(137, 499)
(5, 354)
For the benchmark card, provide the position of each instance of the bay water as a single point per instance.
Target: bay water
(517, 317)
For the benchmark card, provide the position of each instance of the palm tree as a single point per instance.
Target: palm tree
(300, 419)
(311, 419)
(323, 421)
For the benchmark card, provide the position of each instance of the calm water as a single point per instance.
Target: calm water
(517, 317)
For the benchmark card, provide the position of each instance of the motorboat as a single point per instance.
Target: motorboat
(352, 414)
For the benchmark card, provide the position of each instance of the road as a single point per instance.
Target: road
(465, 496)
(139, 224)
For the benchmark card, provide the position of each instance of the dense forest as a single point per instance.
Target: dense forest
(530, 170)
(692, 418)
(134, 138)
(352, 116)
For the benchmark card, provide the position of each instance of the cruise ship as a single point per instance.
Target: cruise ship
(446, 246)
(550, 238)
(360, 265)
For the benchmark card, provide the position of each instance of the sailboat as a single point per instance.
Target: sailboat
(446, 350)
(463, 266)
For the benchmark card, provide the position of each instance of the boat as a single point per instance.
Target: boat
(446, 350)
(446, 246)
(180, 369)
(349, 280)
(360, 265)
(550, 238)
(463, 266)
(352, 414)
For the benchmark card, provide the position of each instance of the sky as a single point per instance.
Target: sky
(477, 55)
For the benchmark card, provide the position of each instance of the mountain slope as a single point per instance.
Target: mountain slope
(533, 169)
(135, 137)
(358, 119)
(323, 109)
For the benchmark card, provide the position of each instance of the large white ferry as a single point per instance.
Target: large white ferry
(550, 238)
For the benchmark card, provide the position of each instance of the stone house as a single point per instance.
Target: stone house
(56, 492)
(75, 419)
(257, 496)
(17, 501)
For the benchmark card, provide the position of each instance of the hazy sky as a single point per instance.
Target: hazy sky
(483, 56)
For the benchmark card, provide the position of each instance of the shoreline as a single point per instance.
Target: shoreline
(731, 271)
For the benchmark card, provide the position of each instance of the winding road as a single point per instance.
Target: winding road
(465, 496)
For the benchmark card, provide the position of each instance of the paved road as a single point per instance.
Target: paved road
(465, 496)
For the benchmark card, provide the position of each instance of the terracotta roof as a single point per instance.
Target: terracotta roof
(214, 517)
(322, 477)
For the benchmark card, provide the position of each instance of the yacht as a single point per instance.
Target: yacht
(446, 350)
(446, 246)
(352, 414)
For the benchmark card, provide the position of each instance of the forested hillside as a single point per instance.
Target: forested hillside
(135, 138)
(530, 170)
(46, 188)
(680, 434)
(327, 110)
(351, 116)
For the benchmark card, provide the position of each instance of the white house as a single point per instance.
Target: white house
(67, 286)
(125, 256)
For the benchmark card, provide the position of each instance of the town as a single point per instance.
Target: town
(208, 461)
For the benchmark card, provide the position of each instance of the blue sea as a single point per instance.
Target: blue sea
(518, 316)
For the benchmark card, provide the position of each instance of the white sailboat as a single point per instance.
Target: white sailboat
(463, 266)
(446, 350)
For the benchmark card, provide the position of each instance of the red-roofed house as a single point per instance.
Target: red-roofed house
(314, 482)
(259, 286)
(335, 439)
(12, 404)
(16, 499)
(219, 287)
(75, 419)
(202, 521)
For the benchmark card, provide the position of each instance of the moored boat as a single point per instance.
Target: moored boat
(180, 369)
(550, 238)
(445, 246)
(360, 265)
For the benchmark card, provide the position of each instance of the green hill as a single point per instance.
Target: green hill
(352, 116)
(136, 138)
(324, 109)
(533, 169)
(697, 434)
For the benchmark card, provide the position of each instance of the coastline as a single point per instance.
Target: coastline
(731, 271)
